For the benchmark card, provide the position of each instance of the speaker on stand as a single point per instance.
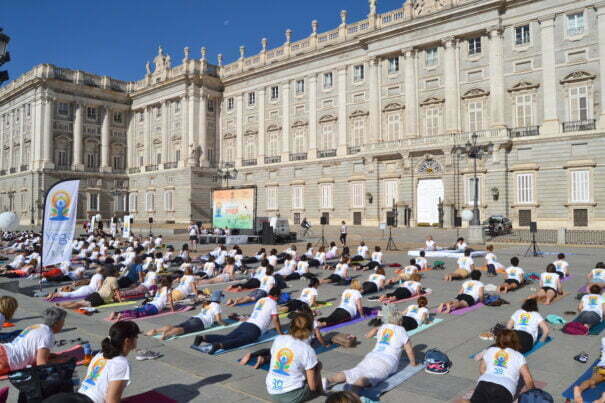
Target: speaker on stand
(533, 248)
(150, 224)
(267, 233)
(391, 222)
(322, 242)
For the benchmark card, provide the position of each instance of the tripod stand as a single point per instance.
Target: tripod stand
(533, 248)
(322, 242)
(391, 243)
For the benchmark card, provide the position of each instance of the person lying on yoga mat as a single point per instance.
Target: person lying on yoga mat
(501, 367)
(307, 299)
(465, 267)
(264, 316)
(591, 307)
(226, 275)
(287, 268)
(421, 261)
(209, 315)
(162, 298)
(415, 315)
(133, 274)
(375, 283)
(407, 272)
(407, 289)
(302, 270)
(108, 373)
(470, 293)
(383, 360)
(186, 285)
(254, 281)
(105, 295)
(83, 291)
(492, 261)
(550, 285)
(332, 253)
(319, 260)
(375, 259)
(596, 275)
(294, 374)
(266, 283)
(598, 377)
(515, 276)
(528, 324)
(208, 270)
(430, 244)
(341, 272)
(561, 265)
(362, 252)
(24, 271)
(147, 287)
(350, 307)
(65, 272)
(33, 345)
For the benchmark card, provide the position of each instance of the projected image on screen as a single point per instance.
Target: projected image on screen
(233, 208)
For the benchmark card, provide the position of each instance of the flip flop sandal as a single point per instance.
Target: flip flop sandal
(582, 357)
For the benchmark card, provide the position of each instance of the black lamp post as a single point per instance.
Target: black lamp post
(4, 55)
(225, 173)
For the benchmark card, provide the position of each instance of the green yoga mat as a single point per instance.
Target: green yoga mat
(116, 304)
(319, 305)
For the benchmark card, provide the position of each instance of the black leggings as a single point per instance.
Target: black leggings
(314, 263)
(526, 341)
(368, 287)
(372, 265)
(335, 278)
(400, 293)
(338, 316)
(409, 323)
(292, 276)
(250, 284)
(296, 305)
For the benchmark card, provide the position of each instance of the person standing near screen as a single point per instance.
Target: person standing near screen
(343, 233)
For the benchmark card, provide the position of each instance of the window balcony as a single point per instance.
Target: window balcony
(171, 165)
(353, 150)
(298, 156)
(150, 168)
(24, 167)
(134, 170)
(326, 153)
(91, 169)
(250, 162)
(12, 170)
(579, 125)
(525, 131)
(62, 167)
(274, 159)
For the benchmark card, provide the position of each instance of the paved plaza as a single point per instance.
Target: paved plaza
(189, 376)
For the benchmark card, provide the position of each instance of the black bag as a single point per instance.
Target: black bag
(39, 382)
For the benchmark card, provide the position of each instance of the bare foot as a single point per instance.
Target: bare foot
(164, 336)
(114, 316)
(151, 332)
(577, 395)
(259, 362)
(245, 359)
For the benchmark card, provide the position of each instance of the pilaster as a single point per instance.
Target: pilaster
(78, 137)
(374, 135)
(342, 111)
(312, 117)
(286, 122)
(203, 134)
(47, 135)
(239, 104)
(496, 78)
(452, 102)
(601, 41)
(411, 103)
(261, 127)
(551, 120)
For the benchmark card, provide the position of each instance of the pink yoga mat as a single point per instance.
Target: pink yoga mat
(462, 311)
(164, 313)
(76, 352)
(149, 397)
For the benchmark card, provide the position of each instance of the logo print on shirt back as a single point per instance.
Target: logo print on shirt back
(95, 372)
(283, 360)
(524, 319)
(501, 359)
(386, 336)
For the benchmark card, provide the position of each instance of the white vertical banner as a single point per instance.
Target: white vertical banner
(59, 224)
(126, 228)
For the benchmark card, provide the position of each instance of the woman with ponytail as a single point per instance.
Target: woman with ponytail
(109, 372)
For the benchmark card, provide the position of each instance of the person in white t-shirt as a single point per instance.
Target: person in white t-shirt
(415, 315)
(591, 307)
(598, 377)
(186, 285)
(596, 275)
(81, 292)
(528, 324)
(266, 283)
(515, 276)
(209, 315)
(341, 272)
(383, 360)
(194, 233)
(491, 261)
(406, 273)
(362, 252)
(375, 283)
(264, 315)
(163, 297)
(561, 265)
(460, 245)
(350, 307)
(108, 373)
(405, 290)
(375, 259)
(33, 345)
(430, 244)
(294, 372)
(550, 285)
(421, 261)
(500, 368)
(470, 293)
(465, 267)
(306, 301)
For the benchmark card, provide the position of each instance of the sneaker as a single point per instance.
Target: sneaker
(373, 298)
(324, 384)
(438, 368)
(582, 357)
(487, 336)
(198, 340)
(143, 355)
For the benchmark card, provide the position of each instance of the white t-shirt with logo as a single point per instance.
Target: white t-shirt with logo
(100, 373)
(259, 273)
(593, 303)
(377, 257)
(272, 260)
(377, 279)
(264, 310)
(409, 270)
(266, 283)
(362, 251)
(208, 313)
(515, 273)
(420, 261)
(598, 275)
(503, 367)
(342, 270)
(561, 266)
(390, 341)
(290, 358)
(490, 258)
(527, 321)
(472, 288)
(22, 351)
(95, 282)
(150, 279)
(309, 294)
(209, 269)
(551, 280)
(185, 285)
(413, 286)
(349, 300)
(302, 267)
(161, 299)
(466, 263)
(417, 313)
(288, 268)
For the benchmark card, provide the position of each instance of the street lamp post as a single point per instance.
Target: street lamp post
(225, 173)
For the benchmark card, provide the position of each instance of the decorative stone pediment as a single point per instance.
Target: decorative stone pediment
(523, 86)
(392, 107)
(250, 132)
(327, 118)
(577, 76)
(300, 123)
(140, 145)
(429, 166)
(432, 101)
(273, 128)
(157, 141)
(359, 113)
(229, 136)
(475, 93)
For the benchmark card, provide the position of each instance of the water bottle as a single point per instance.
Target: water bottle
(87, 353)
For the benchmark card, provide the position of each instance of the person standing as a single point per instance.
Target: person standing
(343, 233)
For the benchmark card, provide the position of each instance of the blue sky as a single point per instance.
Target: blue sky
(117, 37)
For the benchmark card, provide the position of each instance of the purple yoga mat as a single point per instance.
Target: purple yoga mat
(564, 279)
(369, 314)
(583, 289)
(467, 309)
(66, 299)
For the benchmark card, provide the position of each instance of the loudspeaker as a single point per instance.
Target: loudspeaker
(267, 235)
(457, 221)
(533, 227)
(391, 219)
(132, 220)
(150, 220)
(323, 220)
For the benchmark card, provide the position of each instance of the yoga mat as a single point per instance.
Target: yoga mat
(403, 373)
(315, 308)
(116, 304)
(410, 299)
(164, 313)
(9, 336)
(76, 352)
(368, 314)
(268, 336)
(318, 350)
(230, 323)
(596, 329)
(66, 299)
(147, 397)
(535, 348)
(591, 394)
(424, 326)
(564, 279)
(463, 311)
(583, 289)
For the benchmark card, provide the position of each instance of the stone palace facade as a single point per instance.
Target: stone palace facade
(352, 123)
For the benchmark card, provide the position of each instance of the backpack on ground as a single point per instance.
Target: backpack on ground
(438, 265)
(436, 362)
(535, 396)
(575, 328)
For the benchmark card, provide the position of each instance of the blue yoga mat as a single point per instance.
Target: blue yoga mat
(403, 373)
(596, 329)
(589, 395)
(230, 323)
(424, 326)
(536, 347)
(318, 350)
(269, 336)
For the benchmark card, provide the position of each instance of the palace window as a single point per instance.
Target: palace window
(177, 106)
(474, 46)
(274, 93)
(250, 148)
(300, 86)
(327, 137)
(475, 116)
(132, 202)
(470, 191)
(357, 195)
(575, 24)
(393, 65)
(522, 35)
(298, 192)
(580, 189)
(273, 143)
(168, 200)
(328, 81)
(93, 201)
(393, 126)
(149, 201)
(578, 104)
(298, 145)
(325, 191)
(391, 194)
(272, 197)
(358, 132)
(91, 113)
(251, 98)
(433, 115)
(210, 105)
(525, 188)
(117, 117)
(230, 104)
(63, 108)
(431, 58)
(358, 72)
(524, 115)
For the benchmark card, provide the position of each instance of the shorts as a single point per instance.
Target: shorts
(588, 318)
(335, 278)
(409, 323)
(526, 340)
(461, 273)
(512, 281)
(561, 274)
(470, 301)
(258, 294)
(192, 325)
(374, 369)
(302, 394)
(546, 289)
(489, 392)
(192, 237)
(95, 299)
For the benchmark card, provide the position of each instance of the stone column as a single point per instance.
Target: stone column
(105, 140)
(147, 138)
(218, 128)
(37, 130)
(551, 121)
(165, 133)
(312, 117)
(131, 143)
(202, 142)
(193, 126)
(184, 132)
(261, 127)
(452, 103)
(285, 122)
(47, 135)
(78, 137)
(496, 77)
(374, 89)
(341, 143)
(411, 103)
(21, 135)
(2, 130)
(601, 25)
(239, 129)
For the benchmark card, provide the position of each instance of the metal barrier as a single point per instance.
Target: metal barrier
(585, 237)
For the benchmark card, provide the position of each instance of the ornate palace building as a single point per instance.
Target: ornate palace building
(350, 124)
